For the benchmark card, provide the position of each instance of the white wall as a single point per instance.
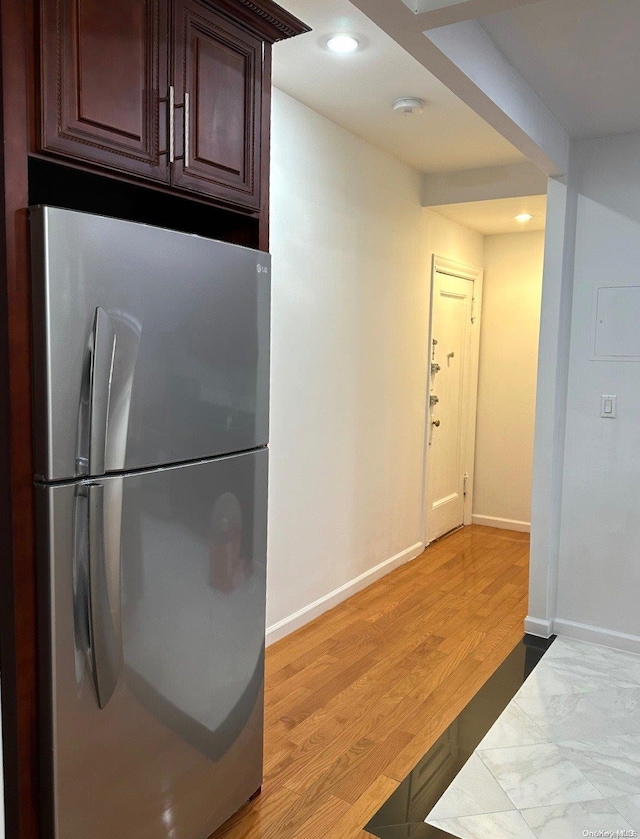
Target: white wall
(451, 240)
(351, 271)
(586, 583)
(599, 567)
(507, 379)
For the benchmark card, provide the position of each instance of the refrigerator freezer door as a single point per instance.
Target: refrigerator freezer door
(151, 346)
(177, 747)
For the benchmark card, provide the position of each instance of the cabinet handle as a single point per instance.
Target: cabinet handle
(172, 156)
(186, 130)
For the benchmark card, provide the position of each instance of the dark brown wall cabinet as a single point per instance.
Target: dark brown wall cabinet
(217, 75)
(170, 90)
(104, 69)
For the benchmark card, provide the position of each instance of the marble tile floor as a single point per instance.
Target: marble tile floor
(562, 760)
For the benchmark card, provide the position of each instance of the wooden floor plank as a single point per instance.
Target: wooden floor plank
(355, 698)
(350, 823)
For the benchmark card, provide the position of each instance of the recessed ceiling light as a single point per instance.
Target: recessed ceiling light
(342, 43)
(523, 217)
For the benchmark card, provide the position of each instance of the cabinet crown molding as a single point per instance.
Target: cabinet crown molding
(281, 23)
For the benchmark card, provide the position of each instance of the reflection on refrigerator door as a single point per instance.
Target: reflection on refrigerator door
(197, 570)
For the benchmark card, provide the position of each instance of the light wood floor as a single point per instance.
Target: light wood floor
(355, 698)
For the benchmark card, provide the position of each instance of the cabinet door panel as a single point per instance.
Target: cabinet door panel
(219, 66)
(104, 70)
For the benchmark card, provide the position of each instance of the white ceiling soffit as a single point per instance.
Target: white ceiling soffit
(513, 180)
(582, 57)
(498, 215)
(465, 59)
(357, 92)
(443, 12)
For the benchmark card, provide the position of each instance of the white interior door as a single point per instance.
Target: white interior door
(449, 403)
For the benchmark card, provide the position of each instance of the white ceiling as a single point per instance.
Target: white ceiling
(357, 91)
(582, 57)
(498, 215)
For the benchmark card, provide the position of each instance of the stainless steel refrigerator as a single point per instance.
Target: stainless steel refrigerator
(151, 369)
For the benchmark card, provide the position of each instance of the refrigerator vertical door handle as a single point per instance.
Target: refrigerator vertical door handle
(105, 623)
(101, 372)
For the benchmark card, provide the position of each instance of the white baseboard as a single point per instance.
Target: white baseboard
(503, 524)
(538, 627)
(596, 635)
(308, 613)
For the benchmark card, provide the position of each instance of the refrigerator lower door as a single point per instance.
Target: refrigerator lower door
(155, 605)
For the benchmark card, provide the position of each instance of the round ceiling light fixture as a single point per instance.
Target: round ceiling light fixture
(409, 105)
(523, 218)
(342, 43)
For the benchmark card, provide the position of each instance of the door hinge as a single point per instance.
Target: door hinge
(465, 478)
(473, 309)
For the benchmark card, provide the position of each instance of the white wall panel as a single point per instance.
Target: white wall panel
(352, 252)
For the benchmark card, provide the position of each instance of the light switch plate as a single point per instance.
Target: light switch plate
(608, 406)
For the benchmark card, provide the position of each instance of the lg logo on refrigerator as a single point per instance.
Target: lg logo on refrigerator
(261, 269)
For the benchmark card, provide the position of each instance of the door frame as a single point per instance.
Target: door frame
(443, 265)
